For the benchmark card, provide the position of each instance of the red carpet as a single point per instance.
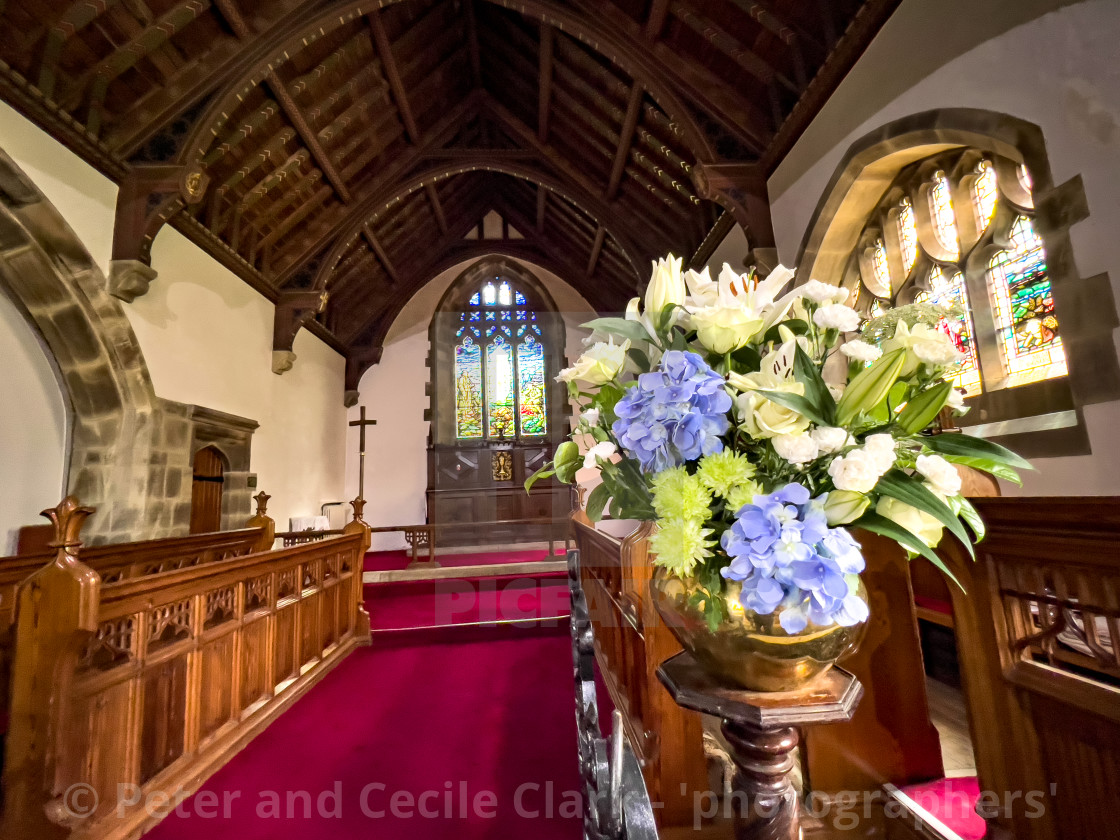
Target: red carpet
(953, 801)
(406, 605)
(475, 725)
(391, 561)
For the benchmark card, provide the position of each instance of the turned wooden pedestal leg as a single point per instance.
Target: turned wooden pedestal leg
(762, 730)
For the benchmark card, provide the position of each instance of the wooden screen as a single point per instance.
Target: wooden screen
(206, 494)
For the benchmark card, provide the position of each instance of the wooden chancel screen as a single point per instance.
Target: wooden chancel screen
(206, 493)
(496, 410)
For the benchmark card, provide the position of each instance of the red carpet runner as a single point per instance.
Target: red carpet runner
(465, 733)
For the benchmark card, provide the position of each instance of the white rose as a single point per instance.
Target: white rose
(942, 476)
(797, 449)
(923, 344)
(830, 439)
(665, 286)
(856, 471)
(591, 415)
(860, 351)
(917, 522)
(763, 418)
(837, 316)
(725, 328)
(602, 450)
(600, 364)
(823, 292)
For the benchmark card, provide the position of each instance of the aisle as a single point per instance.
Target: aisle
(464, 734)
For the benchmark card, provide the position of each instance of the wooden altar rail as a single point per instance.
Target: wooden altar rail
(155, 681)
(631, 642)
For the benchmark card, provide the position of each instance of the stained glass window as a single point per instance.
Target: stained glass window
(879, 262)
(468, 388)
(1018, 341)
(907, 235)
(530, 371)
(941, 210)
(500, 382)
(1023, 305)
(947, 290)
(984, 194)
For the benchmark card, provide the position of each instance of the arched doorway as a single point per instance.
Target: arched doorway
(206, 492)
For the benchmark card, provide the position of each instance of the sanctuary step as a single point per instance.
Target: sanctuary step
(495, 589)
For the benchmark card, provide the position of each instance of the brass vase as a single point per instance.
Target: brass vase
(749, 650)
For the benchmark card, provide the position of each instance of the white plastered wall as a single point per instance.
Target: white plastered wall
(207, 340)
(1048, 62)
(393, 393)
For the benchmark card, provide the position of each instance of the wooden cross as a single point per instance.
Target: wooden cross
(361, 423)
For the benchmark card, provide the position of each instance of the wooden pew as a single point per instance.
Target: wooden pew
(1038, 637)
(630, 643)
(156, 680)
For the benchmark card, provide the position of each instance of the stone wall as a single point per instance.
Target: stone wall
(131, 452)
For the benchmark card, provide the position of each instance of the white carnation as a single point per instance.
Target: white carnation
(837, 316)
(881, 449)
(602, 450)
(942, 476)
(823, 292)
(937, 352)
(861, 351)
(830, 439)
(797, 449)
(857, 471)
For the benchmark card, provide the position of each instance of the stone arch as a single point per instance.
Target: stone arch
(129, 449)
(868, 170)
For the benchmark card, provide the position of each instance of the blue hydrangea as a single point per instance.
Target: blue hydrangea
(787, 558)
(674, 414)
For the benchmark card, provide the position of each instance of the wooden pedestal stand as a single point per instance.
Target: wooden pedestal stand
(761, 729)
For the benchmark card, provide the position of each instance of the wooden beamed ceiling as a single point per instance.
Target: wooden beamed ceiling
(353, 147)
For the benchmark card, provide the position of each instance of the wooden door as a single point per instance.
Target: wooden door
(206, 494)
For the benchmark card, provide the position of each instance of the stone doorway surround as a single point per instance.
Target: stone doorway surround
(130, 451)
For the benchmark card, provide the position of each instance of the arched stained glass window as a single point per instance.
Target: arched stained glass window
(881, 267)
(1023, 305)
(907, 235)
(995, 274)
(944, 219)
(984, 194)
(500, 381)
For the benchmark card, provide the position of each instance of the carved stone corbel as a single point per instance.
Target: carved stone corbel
(293, 310)
(149, 196)
(358, 362)
(740, 188)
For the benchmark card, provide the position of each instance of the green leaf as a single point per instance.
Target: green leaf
(965, 444)
(870, 387)
(799, 404)
(998, 470)
(913, 492)
(620, 327)
(640, 359)
(877, 524)
(795, 325)
(666, 315)
(923, 408)
(747, 360)
(596, 501)
(542, 473)
(970, 515)
(605, 400)
(816, 392)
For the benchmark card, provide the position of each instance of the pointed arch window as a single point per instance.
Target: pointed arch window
(983, 262)
(500, 379)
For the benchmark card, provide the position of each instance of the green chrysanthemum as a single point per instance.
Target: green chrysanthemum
(678, 495)
(742, 494)
(725, 471)
(680, 545)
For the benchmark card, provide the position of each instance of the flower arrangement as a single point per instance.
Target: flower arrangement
(758, 427)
